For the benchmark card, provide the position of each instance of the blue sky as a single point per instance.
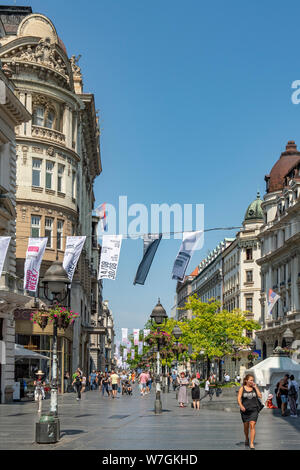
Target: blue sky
(195, 107)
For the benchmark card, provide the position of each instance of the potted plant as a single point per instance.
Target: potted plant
(62, 315)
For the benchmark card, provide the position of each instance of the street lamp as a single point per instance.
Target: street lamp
(288, 336)
(177, 333)
(56, 290)
(158, 316)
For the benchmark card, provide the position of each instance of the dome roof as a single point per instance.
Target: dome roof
(287, 160)
(254, 211)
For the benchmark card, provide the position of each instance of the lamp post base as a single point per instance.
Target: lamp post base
(157, 404)
(47, 430)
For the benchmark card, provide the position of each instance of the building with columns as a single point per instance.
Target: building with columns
(241, 279)
(12, 114)
(58, 159)
(280, 254)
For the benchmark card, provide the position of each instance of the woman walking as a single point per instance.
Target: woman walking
(195, 392)
(249, 405)
(182, 394)
(104, 383)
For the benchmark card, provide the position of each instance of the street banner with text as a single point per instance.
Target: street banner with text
(191, 240)
(73, 250)
(34, 256)
(110, 253)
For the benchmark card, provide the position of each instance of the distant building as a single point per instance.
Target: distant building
(183, 291)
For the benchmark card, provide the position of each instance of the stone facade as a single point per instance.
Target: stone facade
(12, 113)
(280, 255)
(58, 159)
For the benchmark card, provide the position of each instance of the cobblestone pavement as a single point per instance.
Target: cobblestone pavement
(129, 423)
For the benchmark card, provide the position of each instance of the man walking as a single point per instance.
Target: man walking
(293, 390)
(77, 383)
(93, 376)
(115, 383)
(143, 382)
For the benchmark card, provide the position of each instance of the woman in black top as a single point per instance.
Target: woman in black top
(248, 402)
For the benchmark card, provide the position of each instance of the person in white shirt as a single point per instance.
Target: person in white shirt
(226, 377)
(293, 392)
(207, 389)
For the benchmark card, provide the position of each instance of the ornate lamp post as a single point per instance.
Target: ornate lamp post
(177, 333)
(288, 336)
(158, 316)
(55, 284)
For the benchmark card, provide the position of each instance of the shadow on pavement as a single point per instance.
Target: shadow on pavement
(71, 432)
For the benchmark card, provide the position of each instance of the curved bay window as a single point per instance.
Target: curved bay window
(25, 368)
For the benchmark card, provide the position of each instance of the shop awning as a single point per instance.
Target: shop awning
(23, 353)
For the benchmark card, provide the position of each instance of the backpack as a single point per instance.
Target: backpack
(292, 391)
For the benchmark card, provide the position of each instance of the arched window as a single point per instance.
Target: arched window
(38, 116)
(44, 117)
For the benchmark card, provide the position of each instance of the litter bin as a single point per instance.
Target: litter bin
(47, 430)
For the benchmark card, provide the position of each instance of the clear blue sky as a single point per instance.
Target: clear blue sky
(195, 106)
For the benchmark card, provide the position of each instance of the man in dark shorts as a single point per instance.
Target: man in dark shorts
(115, 382)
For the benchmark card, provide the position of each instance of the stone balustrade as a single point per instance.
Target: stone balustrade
(49, 134)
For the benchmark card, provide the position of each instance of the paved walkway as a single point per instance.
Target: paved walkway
(129, 423)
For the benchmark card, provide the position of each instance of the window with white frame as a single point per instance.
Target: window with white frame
(49, 174)
(249, 276)
(49, 231)
(249, 304)
(35, 226)
(60, 178)
(36, 172)
(59, 234)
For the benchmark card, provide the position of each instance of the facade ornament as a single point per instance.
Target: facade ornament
(50, 151)
(75, 68)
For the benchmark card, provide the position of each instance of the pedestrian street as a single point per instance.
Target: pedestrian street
(102, 423)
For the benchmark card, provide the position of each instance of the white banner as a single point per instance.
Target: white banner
(132, 354)
(190, 242)
(125, 354)
(124, 335)
(140, 347)
(4, 242)
(74, 247)
(110, 253)
(136, 337)
(34, 256)
(146, 333)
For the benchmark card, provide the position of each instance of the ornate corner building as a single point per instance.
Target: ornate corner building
(12, 113)
(280, 254)
(58, 159)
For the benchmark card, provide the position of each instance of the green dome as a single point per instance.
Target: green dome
(254, 211)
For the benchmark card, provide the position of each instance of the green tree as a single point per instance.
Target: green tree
(213, 332)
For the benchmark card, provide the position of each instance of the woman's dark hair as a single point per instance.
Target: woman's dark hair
(193, 376)
(247, 378)
(292, 377)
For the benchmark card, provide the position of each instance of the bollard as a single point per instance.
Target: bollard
(47, 430)
(157, 405)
